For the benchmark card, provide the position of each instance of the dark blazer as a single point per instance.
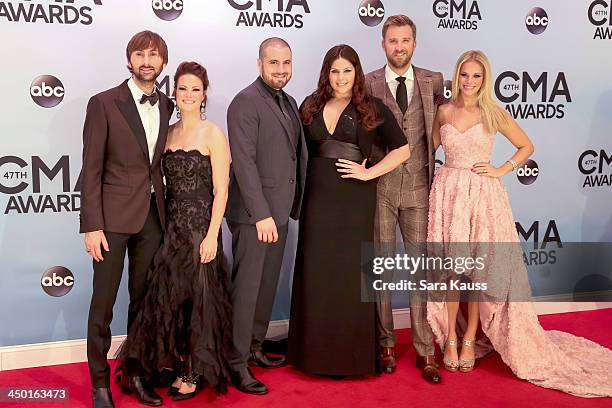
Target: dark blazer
(116, 176)
(266, 164)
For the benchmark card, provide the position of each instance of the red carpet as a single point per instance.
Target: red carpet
(491, 384)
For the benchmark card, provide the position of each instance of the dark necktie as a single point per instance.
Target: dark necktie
(401, 94)
(153, 98)
(280, 100)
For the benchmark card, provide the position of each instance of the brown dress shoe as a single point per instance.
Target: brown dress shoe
(387, 359)
(430, 371)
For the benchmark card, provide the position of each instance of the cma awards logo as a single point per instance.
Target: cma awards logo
(57, 281)
(533, 96)
(595, 166)
(47, 91)
(167, 10)
(165, 84)
(536, 20)
(528, 172)
(57, 12)
(17, 174)
(457, 14)
(286, 14)
(599, 16)
(546, 241)
(371, 12)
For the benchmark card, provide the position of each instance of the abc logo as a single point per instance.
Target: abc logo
(57, 281)
(536, 20)
(528, 172)
(448, 91)
(47, 91)
(371, 12)
(167, 10)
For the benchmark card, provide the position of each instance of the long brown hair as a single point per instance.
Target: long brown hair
(369, 117)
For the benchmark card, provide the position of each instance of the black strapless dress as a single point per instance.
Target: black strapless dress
(186, 314)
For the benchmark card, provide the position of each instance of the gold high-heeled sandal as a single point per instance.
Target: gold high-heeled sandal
(450, 364)
(465, 366)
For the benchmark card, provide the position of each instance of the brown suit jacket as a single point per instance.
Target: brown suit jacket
(116, 176)
(430, 83)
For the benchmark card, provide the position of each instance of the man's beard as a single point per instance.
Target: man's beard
(276, 82)
(149, 78)
(399, 62)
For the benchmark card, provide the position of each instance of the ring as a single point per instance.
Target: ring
(486, 171)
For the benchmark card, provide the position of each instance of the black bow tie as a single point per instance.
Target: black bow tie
(153, 98)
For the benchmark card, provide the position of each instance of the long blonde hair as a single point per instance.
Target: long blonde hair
(493, 116)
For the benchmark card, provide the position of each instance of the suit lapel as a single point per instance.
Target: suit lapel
(128, 109)
(296, 112)
(276, 110)
(427, 96)
(426, 88)
(381, 91)
(164, 118)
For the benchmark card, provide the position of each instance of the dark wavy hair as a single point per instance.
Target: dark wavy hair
(193, 68)
(146, 39)
(369, 117)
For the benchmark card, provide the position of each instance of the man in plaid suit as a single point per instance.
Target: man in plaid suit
(402, 198)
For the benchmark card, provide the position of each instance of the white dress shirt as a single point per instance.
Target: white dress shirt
(392, 83)
(149, 116)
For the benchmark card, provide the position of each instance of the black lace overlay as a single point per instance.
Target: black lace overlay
(186, 314)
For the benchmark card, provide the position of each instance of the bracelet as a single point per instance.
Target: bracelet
(513, 164)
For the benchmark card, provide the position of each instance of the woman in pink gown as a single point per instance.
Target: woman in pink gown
(469, 208)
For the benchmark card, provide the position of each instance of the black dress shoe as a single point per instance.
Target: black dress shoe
(263, 360)
(246, 382)
(102, 398)
(144, 394)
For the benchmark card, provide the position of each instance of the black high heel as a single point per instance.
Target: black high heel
(194, 379)
(180, 372)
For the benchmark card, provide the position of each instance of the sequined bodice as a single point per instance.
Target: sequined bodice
(189, 189)
(463, 149)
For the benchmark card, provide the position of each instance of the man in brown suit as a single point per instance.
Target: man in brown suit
(122, 201)
(403, 194)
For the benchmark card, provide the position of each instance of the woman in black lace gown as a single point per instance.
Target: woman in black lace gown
(185, 319)
(332, 332)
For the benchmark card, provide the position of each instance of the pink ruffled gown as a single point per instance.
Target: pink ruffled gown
(466, 207)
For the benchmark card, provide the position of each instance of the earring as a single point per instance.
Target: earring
(178, 113)
(202, 114)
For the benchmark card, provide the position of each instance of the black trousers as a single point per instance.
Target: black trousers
(255, 276)
(141, 248)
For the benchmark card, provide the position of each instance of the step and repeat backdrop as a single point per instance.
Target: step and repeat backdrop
(552, 65)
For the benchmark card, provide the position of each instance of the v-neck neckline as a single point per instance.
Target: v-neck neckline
(337, 122)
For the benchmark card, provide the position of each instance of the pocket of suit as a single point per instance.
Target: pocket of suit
(116, 189)
(268, 182)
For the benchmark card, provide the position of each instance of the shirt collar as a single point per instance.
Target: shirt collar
(271, 90)
(136, 91)
(390, 75)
